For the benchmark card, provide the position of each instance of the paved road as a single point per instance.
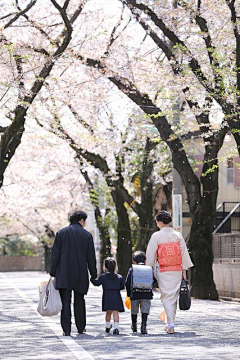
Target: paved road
(209, 330)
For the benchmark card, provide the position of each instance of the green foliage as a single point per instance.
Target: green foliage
(16, 246)
(210, 170)
(45, 240)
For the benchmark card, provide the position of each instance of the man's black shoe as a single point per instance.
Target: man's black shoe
(115, 332)
(144, 328)
(108, 329)
(81, 332)
(66, 334)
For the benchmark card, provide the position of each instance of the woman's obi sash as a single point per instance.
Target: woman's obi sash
(169, 257)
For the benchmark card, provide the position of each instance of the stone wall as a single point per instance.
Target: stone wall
(21, 263)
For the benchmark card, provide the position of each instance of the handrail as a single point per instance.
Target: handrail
(226, 218)
(219, 206)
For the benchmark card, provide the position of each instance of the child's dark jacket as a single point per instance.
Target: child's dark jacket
(136, 295)
(112, 299)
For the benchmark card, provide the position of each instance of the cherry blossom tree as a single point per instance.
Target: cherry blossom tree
(28, 57)
(206, 76)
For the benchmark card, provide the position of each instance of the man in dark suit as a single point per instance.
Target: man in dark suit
(73, 254)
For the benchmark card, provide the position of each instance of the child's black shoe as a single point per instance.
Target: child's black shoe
(115, 332)
(134, 327)
(108, 329)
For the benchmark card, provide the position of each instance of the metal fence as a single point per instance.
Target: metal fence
(226, 247)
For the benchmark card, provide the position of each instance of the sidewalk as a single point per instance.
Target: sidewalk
(209, 330)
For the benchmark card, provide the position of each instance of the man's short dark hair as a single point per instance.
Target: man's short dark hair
(77, 216)
(139, 257)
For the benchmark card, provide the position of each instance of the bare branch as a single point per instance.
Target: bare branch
(66, 35)
(66, 4)
(231, 5)
(114, 37)
(171, 35)
(147, 105)
(39, 51)
(77, 12)
(160, 43)
(6, 16)
(20, 13)
(211, 50)
(81, 120)
(33, 23)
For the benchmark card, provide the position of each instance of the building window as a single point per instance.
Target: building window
(230, 171)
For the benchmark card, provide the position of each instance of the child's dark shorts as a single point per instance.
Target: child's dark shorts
(144, 304)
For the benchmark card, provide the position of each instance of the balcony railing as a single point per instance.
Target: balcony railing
(226, 247)
(227, 218)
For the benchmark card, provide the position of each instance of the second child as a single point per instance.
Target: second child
(139, 298)
(112, 302)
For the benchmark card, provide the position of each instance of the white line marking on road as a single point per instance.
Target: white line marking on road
(78, 351)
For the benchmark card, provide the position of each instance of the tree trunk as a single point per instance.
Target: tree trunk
(124, 244)
(47, 257)
(105, 249)
(200, 246)
(11, 139)
(200, 242)
(146, 228)
(145, 210)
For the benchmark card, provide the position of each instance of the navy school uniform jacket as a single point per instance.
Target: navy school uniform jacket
(112, 299)
(136, 295)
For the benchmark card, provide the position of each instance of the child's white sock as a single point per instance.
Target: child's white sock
(171, 325)
(108, 324)
(116, 325)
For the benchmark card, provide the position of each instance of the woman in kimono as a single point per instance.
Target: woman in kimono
(168, 255)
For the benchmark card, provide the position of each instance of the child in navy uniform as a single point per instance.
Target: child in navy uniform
(142, 299)
(112, 302)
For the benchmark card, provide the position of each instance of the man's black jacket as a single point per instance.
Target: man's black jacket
(73, 254)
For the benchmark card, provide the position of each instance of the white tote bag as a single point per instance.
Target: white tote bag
(50, 303)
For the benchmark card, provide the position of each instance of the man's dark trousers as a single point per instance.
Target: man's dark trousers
(79, 310)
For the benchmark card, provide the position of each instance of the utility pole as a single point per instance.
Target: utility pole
(177, 181)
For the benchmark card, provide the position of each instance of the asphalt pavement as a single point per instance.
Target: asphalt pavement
(209, 330)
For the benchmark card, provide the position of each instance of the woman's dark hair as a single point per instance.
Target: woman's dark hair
(77, 215)
(163, 216)
(110, 265)
(139, 257)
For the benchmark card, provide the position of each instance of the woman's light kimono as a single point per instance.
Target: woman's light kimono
(168, 281)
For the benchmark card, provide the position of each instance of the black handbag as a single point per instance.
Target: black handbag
(184, 296)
